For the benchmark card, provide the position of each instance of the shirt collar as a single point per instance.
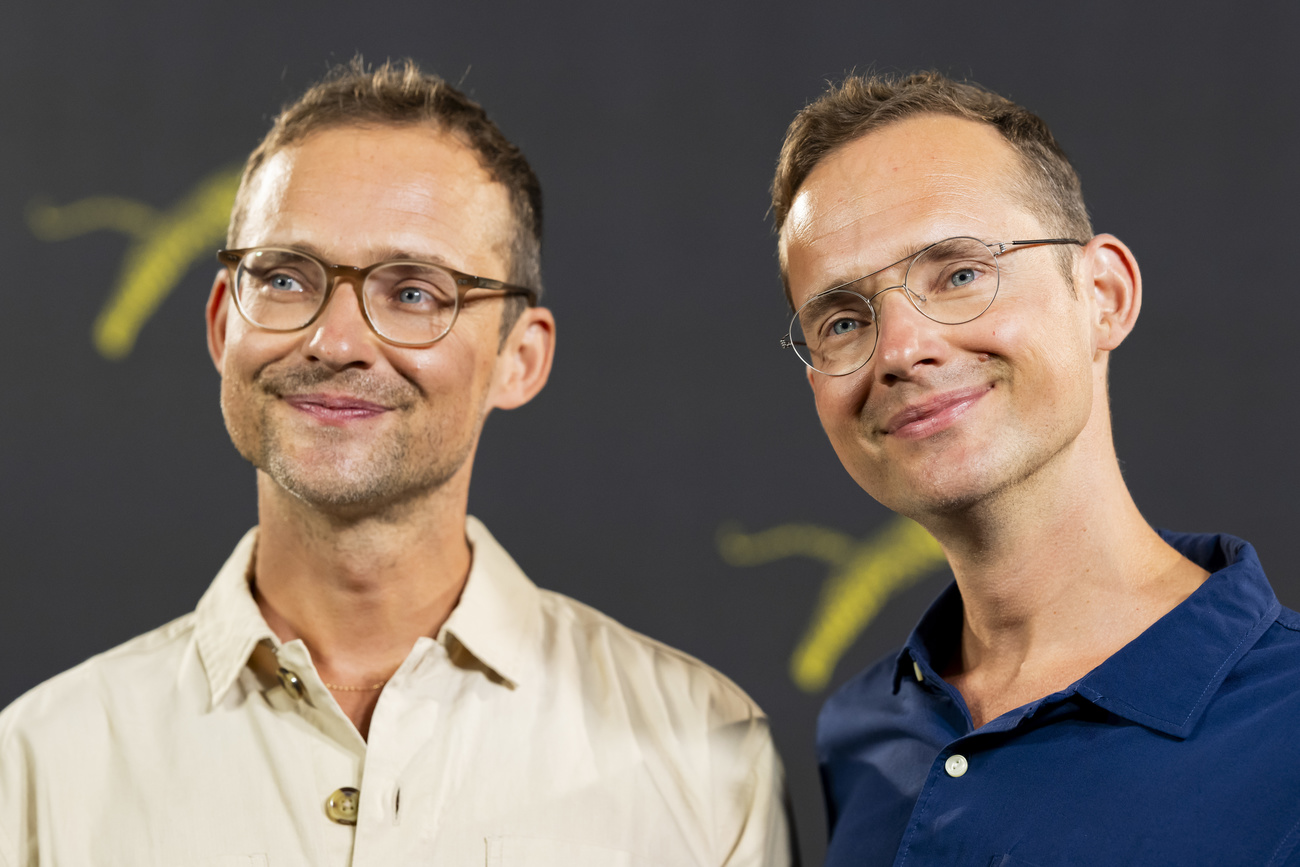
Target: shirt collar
(497, 620)
(934, 640)
(228, 623)
(1164, 678)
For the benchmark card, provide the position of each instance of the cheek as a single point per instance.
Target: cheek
(247, 349)
(452, 370)
(839, 401)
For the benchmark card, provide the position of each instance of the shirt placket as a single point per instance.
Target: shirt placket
(331, 765)
(394, 818)
(954, 777)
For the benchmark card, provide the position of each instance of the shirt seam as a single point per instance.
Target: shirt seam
(1286, 846)
(1231, 656)
(605, 623)
(923, 804)
(1283, 622)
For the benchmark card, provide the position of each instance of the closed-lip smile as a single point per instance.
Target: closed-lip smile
(923, 418)
(334, 408)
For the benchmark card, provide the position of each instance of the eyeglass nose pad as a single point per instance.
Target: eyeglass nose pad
(877, 302)
(901, 329)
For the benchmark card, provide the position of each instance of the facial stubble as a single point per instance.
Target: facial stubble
(330, 468)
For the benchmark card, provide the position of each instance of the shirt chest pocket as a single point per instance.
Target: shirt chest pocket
(540, 852)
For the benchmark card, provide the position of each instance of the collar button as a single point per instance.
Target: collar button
(291, 682)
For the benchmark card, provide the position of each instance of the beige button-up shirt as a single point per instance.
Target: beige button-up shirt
(533, 730)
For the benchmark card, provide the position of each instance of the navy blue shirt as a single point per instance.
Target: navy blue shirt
(1181, 749)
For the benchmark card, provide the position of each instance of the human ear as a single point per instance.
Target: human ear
(524, 363)
(1113, 283)
(216, 314)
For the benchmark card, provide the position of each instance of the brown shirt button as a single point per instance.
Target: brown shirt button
(291, 682)
(341, 805)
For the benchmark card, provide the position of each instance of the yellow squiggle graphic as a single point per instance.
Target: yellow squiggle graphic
(165, 245)
(864, 575)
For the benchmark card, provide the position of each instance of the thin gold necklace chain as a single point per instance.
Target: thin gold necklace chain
(337, 688)
(251, 577)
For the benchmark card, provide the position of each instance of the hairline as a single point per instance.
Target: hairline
(517, 233)
(1025, 184)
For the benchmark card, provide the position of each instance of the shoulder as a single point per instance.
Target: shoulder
(570, 644)
(641, 668)
(869, 691)
(871, 684)
(129, 677)
(1274, 660)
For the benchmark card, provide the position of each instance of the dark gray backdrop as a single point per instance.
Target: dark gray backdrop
(671, 410)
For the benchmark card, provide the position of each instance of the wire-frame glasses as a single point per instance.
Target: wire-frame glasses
(951, 281)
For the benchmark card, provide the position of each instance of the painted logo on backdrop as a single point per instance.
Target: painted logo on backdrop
(864, 574)
(164, 244)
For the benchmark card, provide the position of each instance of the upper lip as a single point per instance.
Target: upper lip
(932, 405)
(335, 401)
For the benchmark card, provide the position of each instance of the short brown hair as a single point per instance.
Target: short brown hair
(860, 104)
(400, 94)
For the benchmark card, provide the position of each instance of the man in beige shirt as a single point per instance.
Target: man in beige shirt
(371, 680)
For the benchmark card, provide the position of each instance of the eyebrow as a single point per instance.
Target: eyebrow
(839, 283)
(386, 254)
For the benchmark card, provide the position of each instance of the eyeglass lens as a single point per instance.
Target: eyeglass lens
(952, 282)
(407, 302)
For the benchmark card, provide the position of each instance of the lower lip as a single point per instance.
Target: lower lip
(337, 416)
(938, 421)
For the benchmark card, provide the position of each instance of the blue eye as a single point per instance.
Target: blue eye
(843, 326)
(963, 277)
(284, 283)
(411, 295)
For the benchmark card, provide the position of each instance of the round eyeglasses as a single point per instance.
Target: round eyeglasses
(951, 281)
(407, 303)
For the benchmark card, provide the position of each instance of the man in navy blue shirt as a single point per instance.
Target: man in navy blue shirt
(1089, 691)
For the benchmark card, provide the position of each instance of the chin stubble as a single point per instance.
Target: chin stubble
(389, 473)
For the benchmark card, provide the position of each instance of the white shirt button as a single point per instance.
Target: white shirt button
(956, 765)
(916, 667)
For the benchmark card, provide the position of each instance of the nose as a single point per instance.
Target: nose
(340, 337)
(906, 339)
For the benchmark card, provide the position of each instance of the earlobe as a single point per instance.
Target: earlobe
(1115, 283)
(216, 314)
(525, 362)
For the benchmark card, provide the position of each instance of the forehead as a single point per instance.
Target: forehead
(896, 189)
(360, 194)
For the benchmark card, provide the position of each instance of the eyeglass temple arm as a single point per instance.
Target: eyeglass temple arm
(1003, 245)
(498, 286)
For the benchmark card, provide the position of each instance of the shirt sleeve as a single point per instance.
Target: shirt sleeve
(766, 837)
(12, 788)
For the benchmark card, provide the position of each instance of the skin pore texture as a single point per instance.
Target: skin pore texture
(363, 449)
(995, 434)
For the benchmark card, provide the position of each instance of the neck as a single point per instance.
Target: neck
(1057, 573)
(358, 589)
